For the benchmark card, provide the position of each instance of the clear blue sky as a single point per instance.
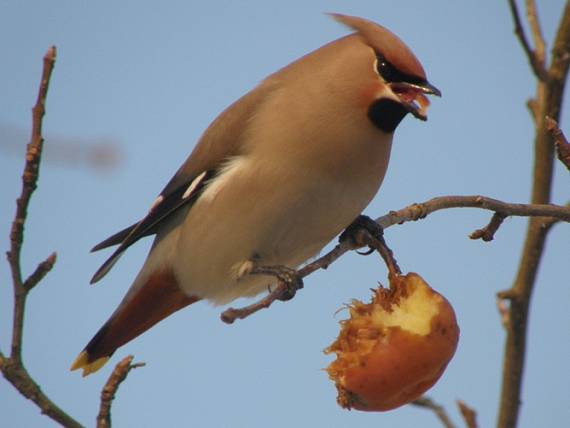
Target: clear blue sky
(150, 77)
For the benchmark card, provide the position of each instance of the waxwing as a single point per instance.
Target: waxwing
(272, 180)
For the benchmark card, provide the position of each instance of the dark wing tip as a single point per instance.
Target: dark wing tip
(115, 239)
(106, 267)
(98, 247)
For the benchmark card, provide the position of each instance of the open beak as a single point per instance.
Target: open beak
(413, 96)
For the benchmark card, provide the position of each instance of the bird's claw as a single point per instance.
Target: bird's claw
(358, 233)
(285, 275)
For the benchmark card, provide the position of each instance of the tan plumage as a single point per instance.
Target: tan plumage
(273, 179)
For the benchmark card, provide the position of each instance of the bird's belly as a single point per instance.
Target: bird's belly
(255, 215)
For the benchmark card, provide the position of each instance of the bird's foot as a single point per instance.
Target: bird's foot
(287, 276)
(365, 232)
(360, 232)
(289, 282)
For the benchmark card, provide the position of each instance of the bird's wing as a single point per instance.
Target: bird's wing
(220, 142)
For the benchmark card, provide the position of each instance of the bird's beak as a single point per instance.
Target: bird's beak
(413, 96)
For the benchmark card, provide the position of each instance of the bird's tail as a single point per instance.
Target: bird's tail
(158, 297)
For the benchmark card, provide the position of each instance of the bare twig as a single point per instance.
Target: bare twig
(232, 314)
(560, 141)
(488, 232)
(534, 60)
(419, 211)
(536, 64)
(12, 367)
(536, 32)
(118, 375)
(19, 377)
(410, 213)
(503, 311)
(41, 271)
(549, 95)
(533, 110)
(31, 169)
(469, 415)
(29, 183)
(436, 408)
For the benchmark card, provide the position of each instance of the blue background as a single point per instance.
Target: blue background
(144, 79)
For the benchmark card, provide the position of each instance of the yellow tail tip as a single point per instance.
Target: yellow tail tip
(82, 362)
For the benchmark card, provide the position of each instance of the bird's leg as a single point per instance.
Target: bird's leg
(287, 276)
(289, 282)
(359, 232)
(366, 232)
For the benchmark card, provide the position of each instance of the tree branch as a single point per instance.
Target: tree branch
(488, 232)
(548, 103)
(437, 409)
(469, 415)
(119, 374)
(29, 184)
(41, 271)
(535, 61)
(19, 377)
(560, 141)
(419, 211)
(12, 367)
(410, 213)
(503, 310)
(536, 32)
(31, 169)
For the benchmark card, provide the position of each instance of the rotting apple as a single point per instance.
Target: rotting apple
(393, 349)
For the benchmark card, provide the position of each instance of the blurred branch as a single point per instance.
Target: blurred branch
(548, 102)
(536, 32)
(469, 415)
(535, 58)
(118, 375)
(532, 108)
(100, 154)
(560, 141)
(437, 409)
(503, 311)
(488, 232)
(542, 212)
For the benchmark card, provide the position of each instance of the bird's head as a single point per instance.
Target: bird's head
(397, 82)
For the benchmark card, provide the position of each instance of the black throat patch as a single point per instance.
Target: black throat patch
(386, 114)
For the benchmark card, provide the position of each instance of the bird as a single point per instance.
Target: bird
(273, 179)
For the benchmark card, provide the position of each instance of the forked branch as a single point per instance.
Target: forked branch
(12, 366)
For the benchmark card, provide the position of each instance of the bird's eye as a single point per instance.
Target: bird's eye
(391, 74)
(386, 70)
